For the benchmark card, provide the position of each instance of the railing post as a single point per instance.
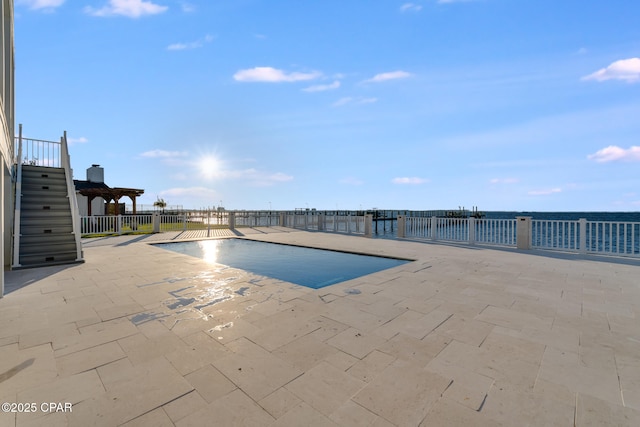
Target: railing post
(156, 222)
(402, 229)
(472, 230)
(232, 220)
(368, 225)
(184, 221)
(523, 232)
(583, 235)
(281, 220)
(119, 222)
(434, 228)
(321, 224)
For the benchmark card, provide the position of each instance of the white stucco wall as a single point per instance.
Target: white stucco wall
(97, 205)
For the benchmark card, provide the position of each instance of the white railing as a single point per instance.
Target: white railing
(257, 218)
(495, 231)
(418, 227)
(595, 237)
(37, 152)
(71, 194)
(555, 234)
(115, 224)
(452, 229)
(349, 224)
(464, 230)
(612, 238)
(193, 220)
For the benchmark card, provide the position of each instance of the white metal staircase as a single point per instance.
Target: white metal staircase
(46, 222)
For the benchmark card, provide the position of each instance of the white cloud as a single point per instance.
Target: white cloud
(256, 178)
(354, 101)
(321, 88)
(253, 176)
(187, 7)
(545, 192)
(191, 45)
(41, 4)
(343, 101)
(409, 180)
(624, 69)
(163, 154)
(504, 181)
(128, 8)
(199, 193)
(180, 176)
(273, 75)
(614, 153)
(410, 7)
(81, 140)
(392, 75)
(351, 181)
(279, 177)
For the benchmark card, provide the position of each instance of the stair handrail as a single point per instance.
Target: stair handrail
(17, 202)
(71, 194)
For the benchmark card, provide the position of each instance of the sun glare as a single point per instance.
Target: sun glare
(209, 166)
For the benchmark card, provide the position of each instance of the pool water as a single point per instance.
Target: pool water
(313, 268)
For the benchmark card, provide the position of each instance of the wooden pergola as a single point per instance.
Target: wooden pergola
(110, 194)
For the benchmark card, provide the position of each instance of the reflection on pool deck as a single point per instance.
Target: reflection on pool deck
(463, 336)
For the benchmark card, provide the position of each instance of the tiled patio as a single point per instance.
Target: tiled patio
(140, 336)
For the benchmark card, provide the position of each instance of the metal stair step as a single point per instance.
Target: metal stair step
(45, 198)
(34, 221)
(43, 187)
(44, 215)
(32, 230)
(45, 207)
(39, 169)
(44, 239)
(45, 248)
(41, 260)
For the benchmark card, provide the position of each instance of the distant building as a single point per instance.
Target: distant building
(97, 198)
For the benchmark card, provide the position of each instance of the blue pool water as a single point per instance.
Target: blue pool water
(313, 268)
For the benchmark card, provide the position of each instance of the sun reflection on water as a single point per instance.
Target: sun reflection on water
(210, 250)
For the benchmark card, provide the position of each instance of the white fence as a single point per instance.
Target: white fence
(115, 224)
(464, 230)
(596, 237)
(350, 224)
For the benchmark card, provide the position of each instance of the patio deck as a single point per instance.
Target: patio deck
(140, 336)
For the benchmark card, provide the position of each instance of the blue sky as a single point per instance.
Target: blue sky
(283, 104)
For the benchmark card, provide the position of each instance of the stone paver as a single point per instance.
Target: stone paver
(140, 336)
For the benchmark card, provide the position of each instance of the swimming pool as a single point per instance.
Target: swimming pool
(313, 268)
